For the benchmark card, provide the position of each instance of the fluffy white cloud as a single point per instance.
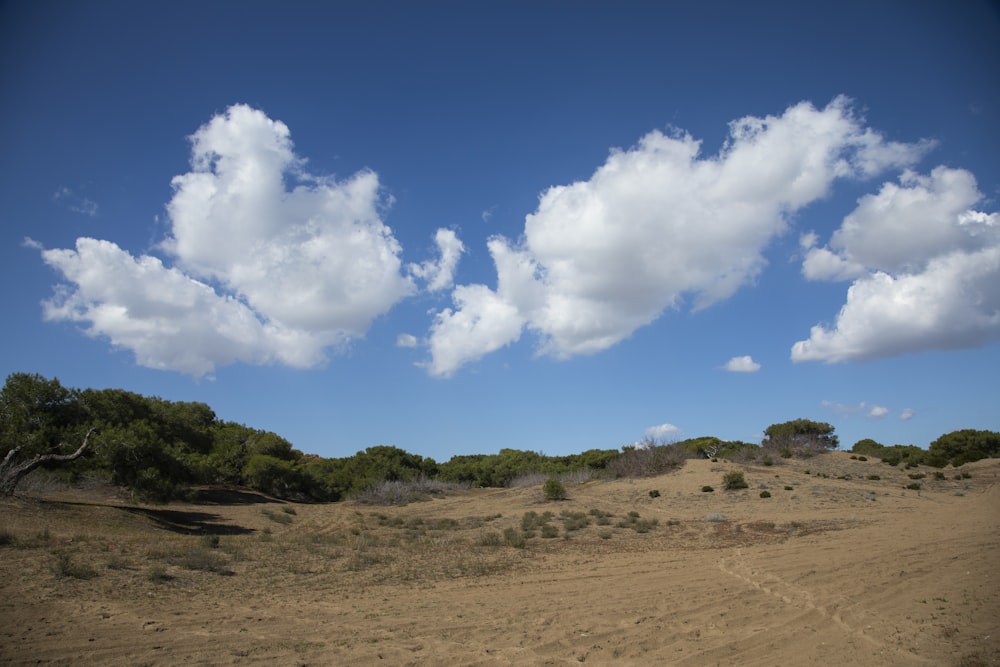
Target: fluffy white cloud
(169, 320)
(655, 223)
(926, 270)
(907, 414)
(440, 274)
(271, 263)
(662, 432)
(406, 340)
(878, 411)
(744, 364)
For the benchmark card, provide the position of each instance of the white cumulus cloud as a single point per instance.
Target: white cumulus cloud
(440, 273)
(907, 414)
(270, 263)
(878, 411)
(744, 364)
(662, 432)
(654, 224)
(925, 267)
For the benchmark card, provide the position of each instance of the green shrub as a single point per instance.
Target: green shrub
(707, 489)
(789, 488)
(575, 521)
(939, 475)
(654, 494)
(605, 534)
(914, 486)
(765, 494)
(734, 480)
(6, 538)
(874, 478)
(918, 475)
(862, 458)
(554, 490)
(549, 531)
(514, 538)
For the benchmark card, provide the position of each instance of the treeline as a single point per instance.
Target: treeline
(158, 448)
(955, 448)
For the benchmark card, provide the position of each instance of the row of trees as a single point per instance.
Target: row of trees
(156, 448)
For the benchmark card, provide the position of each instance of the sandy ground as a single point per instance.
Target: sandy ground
(834, 568)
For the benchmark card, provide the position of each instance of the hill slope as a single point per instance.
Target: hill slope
(833, 568)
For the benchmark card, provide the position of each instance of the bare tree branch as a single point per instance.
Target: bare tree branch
(12, 473)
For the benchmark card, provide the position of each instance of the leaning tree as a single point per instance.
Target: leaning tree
(37, 417)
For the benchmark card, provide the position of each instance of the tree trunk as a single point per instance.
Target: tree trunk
(12, 472)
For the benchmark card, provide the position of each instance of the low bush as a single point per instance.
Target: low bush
(707, 489)
(64, 566)
(765, 494)
(554, 490)
(654, 493)
(913, 486)
(734, 480)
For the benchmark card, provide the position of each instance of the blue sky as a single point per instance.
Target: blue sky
(455, 227)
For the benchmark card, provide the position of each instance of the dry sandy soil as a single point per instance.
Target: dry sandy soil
(833, 569)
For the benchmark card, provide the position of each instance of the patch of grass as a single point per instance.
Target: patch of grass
(210, 541)
(654, 493)
(765, 494)
(157, 574)
(605, 534)
(514, 538)
(917, 475)
(874, 478)
(118, 563)
(490, 539)
(789, 488)
(65, 566)
(276, 517)
(707, 489)
(715, 518)
(939, 476)
(913, 486)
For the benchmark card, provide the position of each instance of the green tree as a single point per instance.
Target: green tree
(868, 447)
(964, 446)
(39, 424)
(800, 436)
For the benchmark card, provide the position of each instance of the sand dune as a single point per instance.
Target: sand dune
(833, 569)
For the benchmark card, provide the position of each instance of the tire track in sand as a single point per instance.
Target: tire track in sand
(790, 594)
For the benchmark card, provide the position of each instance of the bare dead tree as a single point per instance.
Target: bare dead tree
(12, 471)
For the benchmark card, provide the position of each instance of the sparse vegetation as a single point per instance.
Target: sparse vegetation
(64, 565)
(765, 494)
(707, 489)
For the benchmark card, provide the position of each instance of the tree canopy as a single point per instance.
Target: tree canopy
(157, 449)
